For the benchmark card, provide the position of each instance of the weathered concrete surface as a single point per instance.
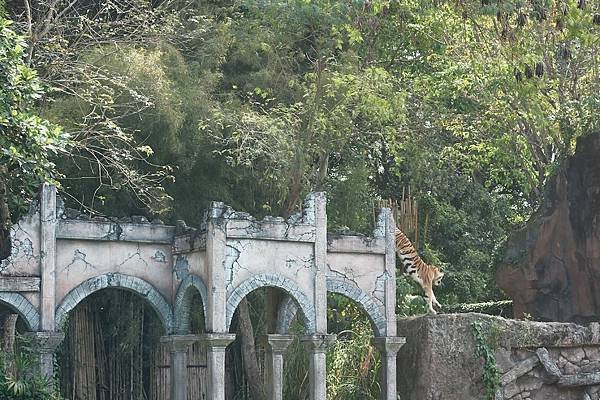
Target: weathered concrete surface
(439, 361)
(551, 268)
(59, 257)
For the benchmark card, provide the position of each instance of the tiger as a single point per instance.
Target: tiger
(424, 274)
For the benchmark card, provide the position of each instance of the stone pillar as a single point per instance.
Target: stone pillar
(320, 286)
(276, 346)
(47, 256)
(46, 344)
(216, 254)
(216, 343)
(316, 345)
(389, 297)
(388, 347)
(178, 347)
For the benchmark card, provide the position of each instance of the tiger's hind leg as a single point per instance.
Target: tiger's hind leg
(437, 303)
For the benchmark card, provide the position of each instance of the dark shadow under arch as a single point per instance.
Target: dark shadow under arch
(183, 301)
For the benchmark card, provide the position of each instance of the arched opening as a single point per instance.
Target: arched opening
(189, 319)
(353, 362)
(252, 298)
(116, 280)
(109, 351)
(19, 356)
(190, 306)
(12, 325)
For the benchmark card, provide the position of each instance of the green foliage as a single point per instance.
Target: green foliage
(20, 377)
(409, 300)
(27, 142)
(353, 365)
(295, 381)
(484, 348)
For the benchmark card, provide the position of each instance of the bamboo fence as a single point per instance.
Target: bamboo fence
(406, 215)
(104, 359)
(196, 369)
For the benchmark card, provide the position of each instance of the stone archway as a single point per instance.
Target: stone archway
(288, 309)
(272, 280)
(116, 280)
(24, 308)
(183, 302)
(374, 312)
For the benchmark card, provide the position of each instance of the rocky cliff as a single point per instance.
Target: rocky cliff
(551, 268)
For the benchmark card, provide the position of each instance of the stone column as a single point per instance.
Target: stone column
(178, 347)
(320, 266)
(216, 254)
(276, 346)
(46, 344)
(388, 347)
(216, 343)
(47, 257)
(389, 297)
(316, 345)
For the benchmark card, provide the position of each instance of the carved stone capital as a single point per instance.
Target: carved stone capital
(217, 340)
(179, 343)
(317, 343)
(277, 344)
(46, 342)
(388, 345)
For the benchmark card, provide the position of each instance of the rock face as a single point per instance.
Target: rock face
(551, 268)
(535, 360)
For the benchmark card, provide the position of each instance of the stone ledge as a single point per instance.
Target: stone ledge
(514, 333)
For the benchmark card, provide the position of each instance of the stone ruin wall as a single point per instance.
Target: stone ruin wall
(536, 361)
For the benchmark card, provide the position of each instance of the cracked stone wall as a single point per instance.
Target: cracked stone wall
(230, 255)
(292, 260)
(79, 260)
(357, 268)
(25, 254)
(365, 271)
(536, 361)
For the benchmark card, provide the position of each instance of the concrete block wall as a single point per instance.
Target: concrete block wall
(534, 360)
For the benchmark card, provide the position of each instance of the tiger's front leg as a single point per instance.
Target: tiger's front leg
(430, 298)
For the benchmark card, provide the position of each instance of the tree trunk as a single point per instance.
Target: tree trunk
(272, 299)
(8, 340)
(8, 333)
(246, 333)
(293, 195)
(5, 245)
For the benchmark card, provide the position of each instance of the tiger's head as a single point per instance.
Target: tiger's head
(437, 276)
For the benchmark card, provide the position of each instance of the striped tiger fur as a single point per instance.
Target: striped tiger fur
(424, 274)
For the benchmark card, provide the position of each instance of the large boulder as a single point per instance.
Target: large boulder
(551, 268)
